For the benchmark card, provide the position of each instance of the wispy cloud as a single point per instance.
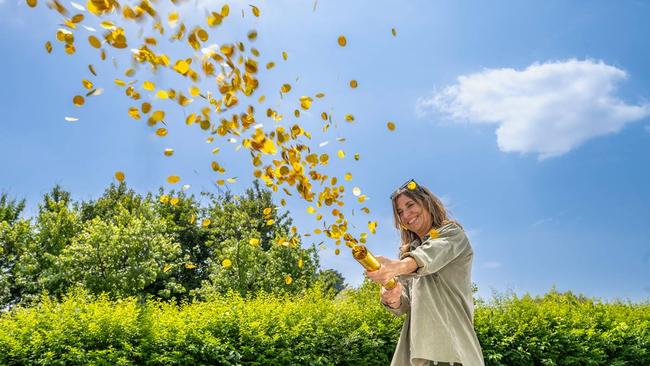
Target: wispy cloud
(547, 109)
(492, 265)
(542, 221)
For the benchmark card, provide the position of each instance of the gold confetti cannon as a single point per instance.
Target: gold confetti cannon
(369, 262)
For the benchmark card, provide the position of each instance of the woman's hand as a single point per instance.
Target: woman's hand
(388, 270)
(392, 297)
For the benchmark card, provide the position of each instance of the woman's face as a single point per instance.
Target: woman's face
(413, 216)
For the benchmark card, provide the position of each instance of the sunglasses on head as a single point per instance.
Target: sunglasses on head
(410, 185)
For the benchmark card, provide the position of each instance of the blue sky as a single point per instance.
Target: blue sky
(529, 119)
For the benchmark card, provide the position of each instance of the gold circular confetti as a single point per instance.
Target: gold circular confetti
(353, 84)
(119, 176)
(162, 132)
(94, 41)
(342, 41)
(391, 126)
(288, 280)
(255, 10)
(394, 32)
(169, 152)
(173, 179)
(32, 3)
(412, 185)
(78, 100)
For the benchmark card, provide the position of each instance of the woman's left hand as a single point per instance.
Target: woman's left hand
(387, 271)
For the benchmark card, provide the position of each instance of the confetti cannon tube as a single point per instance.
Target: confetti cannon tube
(369, 262)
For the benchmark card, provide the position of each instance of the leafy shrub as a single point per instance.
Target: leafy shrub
(311, 329)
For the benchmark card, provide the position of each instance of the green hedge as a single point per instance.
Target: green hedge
(312, 329)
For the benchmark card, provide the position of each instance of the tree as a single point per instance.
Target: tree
(37, 269)
(255, 246)
(332, 281)
(122, 255)
(15, 233)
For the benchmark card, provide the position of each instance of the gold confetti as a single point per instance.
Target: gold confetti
(394, 32)
(162, 132)
(285, 56)
(341, 154)
(190, 265)
(348, 176)
(78, 100)
(288, 280)
(255, 10)
(391, 126)
(94, 41)
(353, 84)
(342, 41)
(32, 3)
(433, 233)
(169, 152)
(411, 185)
(174, 201)
(119, 176)
(372, 226)
(148, 85)
(206, 222)
(173, 179)
(226, 263)
(48, 46)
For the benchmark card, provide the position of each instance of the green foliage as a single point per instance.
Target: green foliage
(331, 280)
(311, 329)
(10, 209)
(126, 244)
(307, 329)
(563, 329)
(234, 221)
(120, 256)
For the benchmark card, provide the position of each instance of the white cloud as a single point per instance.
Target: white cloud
(491, 265)
(547, 109)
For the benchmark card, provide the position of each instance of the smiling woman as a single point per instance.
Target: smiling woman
(434, 288)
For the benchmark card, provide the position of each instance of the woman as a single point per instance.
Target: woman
(434, 287)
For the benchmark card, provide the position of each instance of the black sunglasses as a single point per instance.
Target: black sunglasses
(409, 184)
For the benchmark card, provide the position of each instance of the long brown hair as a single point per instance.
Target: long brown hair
(427, 200)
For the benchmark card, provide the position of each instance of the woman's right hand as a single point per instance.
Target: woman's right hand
(392, 297)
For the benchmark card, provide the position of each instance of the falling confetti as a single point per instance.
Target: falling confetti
(219, 97)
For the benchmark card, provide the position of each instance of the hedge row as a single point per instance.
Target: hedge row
(311, 329)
